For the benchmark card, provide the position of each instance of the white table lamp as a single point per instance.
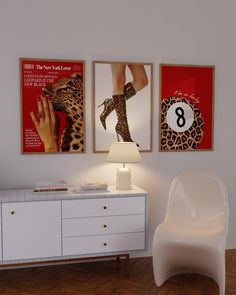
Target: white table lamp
(123, 152)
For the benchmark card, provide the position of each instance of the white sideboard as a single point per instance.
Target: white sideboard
(39, 228)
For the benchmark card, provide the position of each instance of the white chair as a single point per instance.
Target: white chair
(193, 234)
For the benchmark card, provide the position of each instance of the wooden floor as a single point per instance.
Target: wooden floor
(102, 278)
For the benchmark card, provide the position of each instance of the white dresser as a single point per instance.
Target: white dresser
(46, 228)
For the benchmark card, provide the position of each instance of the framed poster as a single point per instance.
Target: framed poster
(122, 94)
(52, 99)
(186, 107)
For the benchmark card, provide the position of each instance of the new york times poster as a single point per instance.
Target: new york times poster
(52, 98)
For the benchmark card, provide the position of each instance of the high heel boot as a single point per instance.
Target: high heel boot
(122, 127)
(108, 103)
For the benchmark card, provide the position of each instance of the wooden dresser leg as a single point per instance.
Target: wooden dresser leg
(127, 264)
(117, 262)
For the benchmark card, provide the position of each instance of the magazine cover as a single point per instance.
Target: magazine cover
(52, 98)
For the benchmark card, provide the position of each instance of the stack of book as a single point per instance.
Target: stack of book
(91, 187)
(59, 186)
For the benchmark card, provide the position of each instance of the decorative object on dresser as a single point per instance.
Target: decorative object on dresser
(50, 228)
(91, 187)
(123, 152)
(58, 186)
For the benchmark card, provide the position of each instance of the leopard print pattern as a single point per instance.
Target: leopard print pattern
(67, 96)
(129, 90)
(122, 127)
(109, 104)
(187, 140)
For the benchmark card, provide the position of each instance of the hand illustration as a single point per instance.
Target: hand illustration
(46, 124)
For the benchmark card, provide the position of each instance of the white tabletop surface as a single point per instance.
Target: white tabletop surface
(24, 195)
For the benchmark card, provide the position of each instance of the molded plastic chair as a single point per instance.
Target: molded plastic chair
(193, 234)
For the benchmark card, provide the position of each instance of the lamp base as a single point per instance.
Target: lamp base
(123, 179)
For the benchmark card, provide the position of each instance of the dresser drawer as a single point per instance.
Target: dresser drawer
(103, 207)
(103, 225)
(103, 243)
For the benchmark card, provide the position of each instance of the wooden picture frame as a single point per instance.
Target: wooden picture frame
(53, 106)
(186, 107)
(137, 102)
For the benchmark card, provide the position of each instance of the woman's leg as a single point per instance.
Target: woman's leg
(118, 78)
(118, 81)
(140, 79)
(119, 87)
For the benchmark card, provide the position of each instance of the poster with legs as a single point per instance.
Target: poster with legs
(186, 107)
(52, 99)
(122, 94)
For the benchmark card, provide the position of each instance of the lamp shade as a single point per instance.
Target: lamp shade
(123, 152)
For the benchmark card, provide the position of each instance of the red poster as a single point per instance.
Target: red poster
(52, 93)
(186, 107)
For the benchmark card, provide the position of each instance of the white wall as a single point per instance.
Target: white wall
(157, 31)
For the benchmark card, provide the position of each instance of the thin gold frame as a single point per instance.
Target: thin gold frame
(212, 108)
(84, 102)
(149, 149)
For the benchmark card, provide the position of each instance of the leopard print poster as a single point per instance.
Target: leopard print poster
(186, 107)
(52, 93)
